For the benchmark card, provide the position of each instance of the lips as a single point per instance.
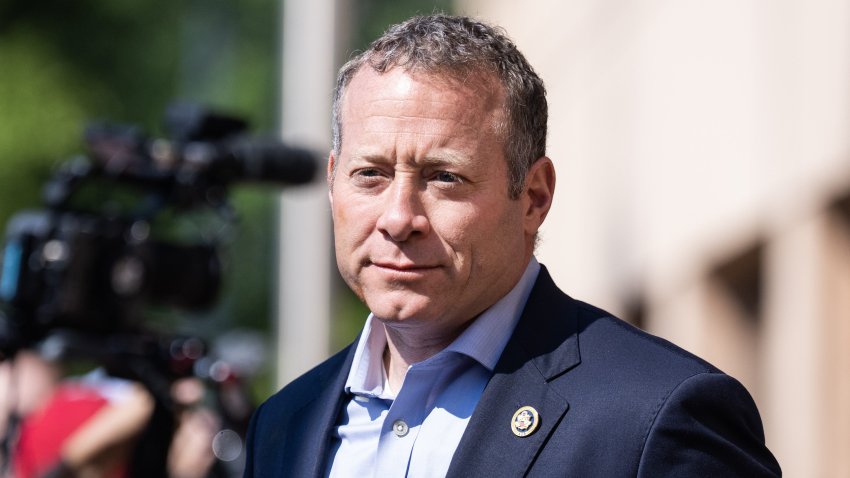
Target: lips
(402, 267)
(402, 271)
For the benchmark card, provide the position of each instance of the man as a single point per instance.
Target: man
(472, 362)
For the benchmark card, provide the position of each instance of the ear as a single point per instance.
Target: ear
(538, 193)
(330, 176)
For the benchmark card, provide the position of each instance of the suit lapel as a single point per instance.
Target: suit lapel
(543, 346)
(314, 422)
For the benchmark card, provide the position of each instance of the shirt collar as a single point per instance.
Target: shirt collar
(484, 340)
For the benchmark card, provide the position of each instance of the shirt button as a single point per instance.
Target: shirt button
(400, 428)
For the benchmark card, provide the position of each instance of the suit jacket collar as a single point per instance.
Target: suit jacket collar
(317, 419)
(543, 347)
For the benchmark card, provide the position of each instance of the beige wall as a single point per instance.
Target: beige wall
(700, 147)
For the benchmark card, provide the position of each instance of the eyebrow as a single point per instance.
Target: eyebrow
(444, 158)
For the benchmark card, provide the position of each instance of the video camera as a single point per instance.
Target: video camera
(89, 268)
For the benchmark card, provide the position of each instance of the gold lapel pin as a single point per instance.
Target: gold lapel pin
(525, 421)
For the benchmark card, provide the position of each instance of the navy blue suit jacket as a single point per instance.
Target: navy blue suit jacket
(612, 400)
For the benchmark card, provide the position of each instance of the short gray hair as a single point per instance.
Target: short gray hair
(442, 43)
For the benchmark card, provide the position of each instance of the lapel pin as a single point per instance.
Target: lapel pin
(525, 421)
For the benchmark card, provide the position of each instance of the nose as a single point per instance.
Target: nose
(403, 216)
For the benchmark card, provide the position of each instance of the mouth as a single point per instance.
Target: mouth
(403, 268)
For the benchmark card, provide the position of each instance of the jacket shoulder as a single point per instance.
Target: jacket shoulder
(657, 404)
(601, 333)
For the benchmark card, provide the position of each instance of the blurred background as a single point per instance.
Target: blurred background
(702, 151)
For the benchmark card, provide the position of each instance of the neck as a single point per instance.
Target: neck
(405, 348)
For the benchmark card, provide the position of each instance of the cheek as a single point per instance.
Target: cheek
(495, 233)
(353, 224)
(469, 233)
(456, 226)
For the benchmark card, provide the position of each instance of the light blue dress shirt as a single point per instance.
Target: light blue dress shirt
(415, 432)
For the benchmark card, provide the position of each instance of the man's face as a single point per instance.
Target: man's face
(425, 231)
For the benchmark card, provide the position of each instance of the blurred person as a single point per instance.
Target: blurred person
(71, 427)
(472, 361)
(90, 426)
(26, 384)
(191, 454)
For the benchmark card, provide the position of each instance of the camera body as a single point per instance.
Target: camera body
(93, 274)
(91, 269)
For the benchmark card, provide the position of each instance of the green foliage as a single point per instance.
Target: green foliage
(39, 121)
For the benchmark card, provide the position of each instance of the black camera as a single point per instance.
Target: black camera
(90, 268)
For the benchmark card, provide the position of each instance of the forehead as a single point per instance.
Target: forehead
(473, 98)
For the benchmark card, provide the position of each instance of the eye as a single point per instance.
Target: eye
(368, 178)
(367, 173)
(447, 177)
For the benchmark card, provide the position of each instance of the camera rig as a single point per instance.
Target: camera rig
(88, 268)
(77, 274)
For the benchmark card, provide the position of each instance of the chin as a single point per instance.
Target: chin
(400, 311)
(396, 315)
